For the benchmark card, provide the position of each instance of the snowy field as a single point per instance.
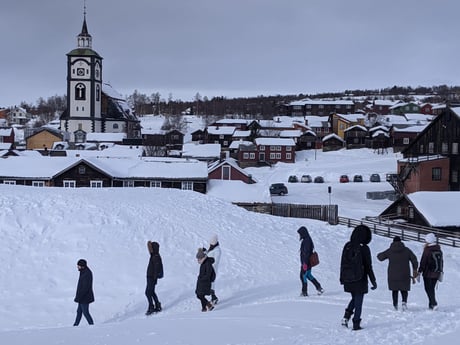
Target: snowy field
(44, 231)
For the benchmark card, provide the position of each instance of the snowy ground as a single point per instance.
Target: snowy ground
(44, 231)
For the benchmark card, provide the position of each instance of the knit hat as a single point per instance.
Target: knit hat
(81, 263)
(430, 238)
(200, 254)
(397, 239)
(213, 240)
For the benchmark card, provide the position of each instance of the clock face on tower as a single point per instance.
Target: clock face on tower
(80, 71)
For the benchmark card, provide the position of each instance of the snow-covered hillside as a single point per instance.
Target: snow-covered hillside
(44, 231)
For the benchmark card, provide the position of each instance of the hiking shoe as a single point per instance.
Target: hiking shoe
(404, 306)
(214, 300)
(150, 311)
(320, 291)
(395, 307)
(303, 294)
(158, 308)
(204, 309)
(345, 322)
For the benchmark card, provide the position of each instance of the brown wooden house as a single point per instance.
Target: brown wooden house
(332, 142)
(355, 137)
(441, 137)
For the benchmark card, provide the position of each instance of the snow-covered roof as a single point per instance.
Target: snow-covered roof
(64, 144)
(376, 128)
(241, 134)
(48, 167)
(111, 92)
(332, 135)
(111, 151)
(356, 127)
(5, 132)
(291, 133)
(218, 130)
(316, 121)
(5, 146)
(201, 150)
(438, 208)
(233, 121)
(275, 141)
(384, 102)
(110, 137)
(411, 129)
(322, 102)
(352, 117)
(418, 117)
(380, 132)
(229, 161)
(235, 144)
(456, 111)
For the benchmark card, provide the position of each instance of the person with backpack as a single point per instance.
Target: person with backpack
(84, 295)
(431, 267)
(154, 272)
(215, 253)
(399, 276)
(306, 249)
(205, 279)
(355, 270)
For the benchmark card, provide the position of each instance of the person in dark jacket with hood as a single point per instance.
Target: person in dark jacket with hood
(84, 295)
(426, 268)
(205, 279)
(360, 238)
(399, 274)
(154, 272)
(306, 249)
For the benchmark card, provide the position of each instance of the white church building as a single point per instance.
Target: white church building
(92, 106)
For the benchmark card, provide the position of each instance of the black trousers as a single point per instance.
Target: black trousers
(83, 308)
(150, 292)
(430, 285)
(404, 295)
(203, 300)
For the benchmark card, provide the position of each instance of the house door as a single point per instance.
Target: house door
(262, 157)
(225, 173)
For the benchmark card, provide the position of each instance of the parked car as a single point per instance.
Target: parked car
(344, 179)
(357, 178)
(375, 178)
(293, 179)
(318, 179)
(306, 179)
(278, 188)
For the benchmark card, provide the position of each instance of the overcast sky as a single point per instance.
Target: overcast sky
(231, 47)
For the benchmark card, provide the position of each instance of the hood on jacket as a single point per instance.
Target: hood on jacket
(303, 232)
(154, 247)
(361, 234)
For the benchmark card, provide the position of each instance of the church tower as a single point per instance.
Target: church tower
(84, 89)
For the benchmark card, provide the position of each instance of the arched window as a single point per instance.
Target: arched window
(98, 92)
(80, 92)
(115, 126)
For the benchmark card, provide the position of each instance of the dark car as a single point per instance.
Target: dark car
(306, 179)
(318, 179)
(344, 179)
(357, 178)
(375, 178)
(278, 188)
(293, 179)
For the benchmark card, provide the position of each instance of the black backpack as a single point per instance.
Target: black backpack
(436, 263)
(351, 265)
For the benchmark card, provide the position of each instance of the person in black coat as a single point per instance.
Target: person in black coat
(154, 272)
(360, 237)
(399, 274)
(84, 295)
(306, 249)
(205, 279)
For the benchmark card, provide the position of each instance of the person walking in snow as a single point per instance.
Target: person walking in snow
(399, 274)
(205, 279)
(355, 270)
(154, 272)
(215, 253)
(306, 249)
(84, 295)
(431, 268)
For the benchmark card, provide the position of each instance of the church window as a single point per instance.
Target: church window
(115, 126)
(98, 92)
(80, 92)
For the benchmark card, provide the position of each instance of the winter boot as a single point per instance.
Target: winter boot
(317, 286)
(209, 306)
(356, 325)
(150, 311)
(346, 317)
(303, 294)
(214, 298)
(404, 306)
(158, 308)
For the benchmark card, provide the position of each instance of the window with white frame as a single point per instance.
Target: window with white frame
(406, 141)
(246, 155)
(278, 148)
(95, 184)
(431, 147)
(69, 184)
(445, 148)
(187, 185)
(272, 155)
(225, 143)
(272, 148)
(81, 169)
(288, 148)
(221, 136)
(9, 182)
(262, 147)
(38, 184)
(455, 148)
(128, 183)
(252, 155)
(155, 184)
(288, 156)
(278, 155)
(225, 173)
(436, 174)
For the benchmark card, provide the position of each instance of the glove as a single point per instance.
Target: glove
(374, 286)
(304, 267)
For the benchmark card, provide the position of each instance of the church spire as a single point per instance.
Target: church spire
(84, 38)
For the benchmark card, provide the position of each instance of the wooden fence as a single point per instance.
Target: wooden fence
(327, 213)
(405, 231)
